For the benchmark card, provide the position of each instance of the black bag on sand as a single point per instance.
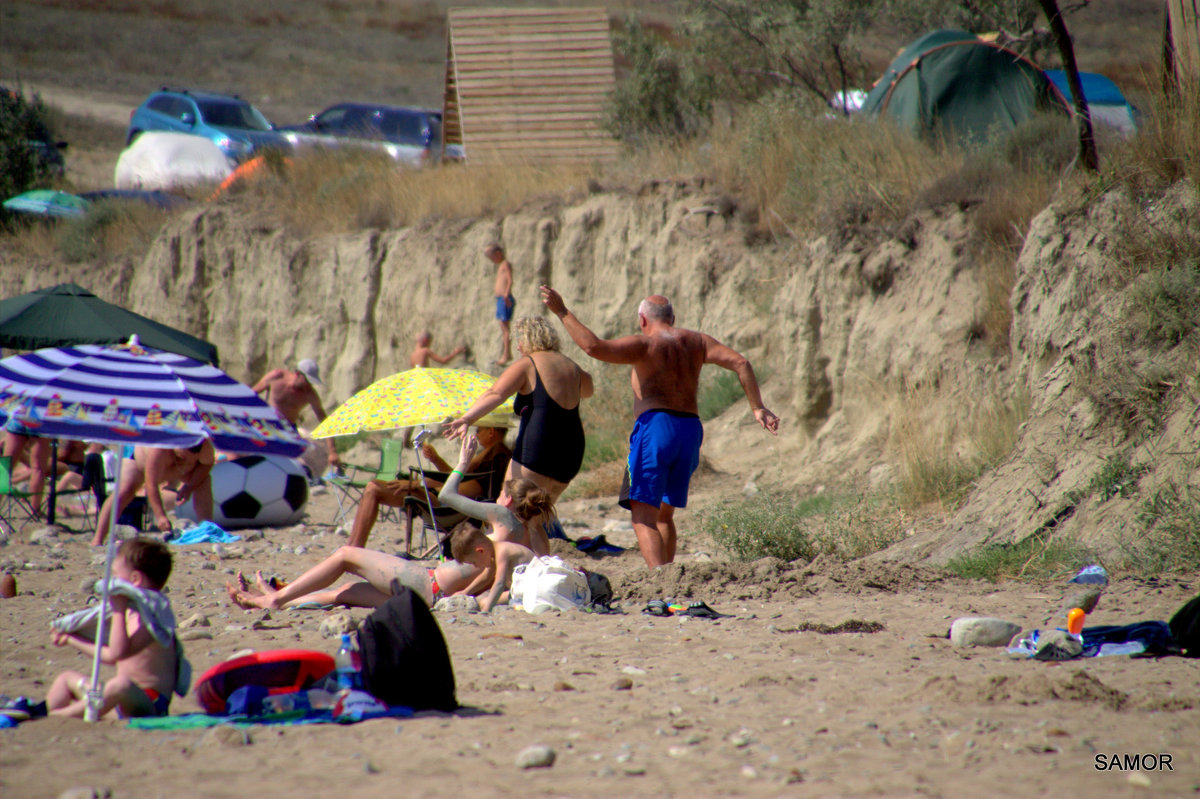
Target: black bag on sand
(1185, 628)
(404, 656)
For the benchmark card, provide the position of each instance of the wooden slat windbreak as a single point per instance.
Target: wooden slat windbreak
(1183, 41)
(528, 84)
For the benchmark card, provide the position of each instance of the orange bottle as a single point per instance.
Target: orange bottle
(1075, 621)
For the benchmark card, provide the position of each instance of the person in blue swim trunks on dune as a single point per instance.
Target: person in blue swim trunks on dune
(504, 299)
(664, 448)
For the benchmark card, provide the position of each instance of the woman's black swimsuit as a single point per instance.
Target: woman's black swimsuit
(550, 440)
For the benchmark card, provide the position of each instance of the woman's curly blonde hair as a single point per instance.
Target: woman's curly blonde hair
(534, 334)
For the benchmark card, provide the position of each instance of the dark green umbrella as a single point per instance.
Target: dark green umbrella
(68, 314)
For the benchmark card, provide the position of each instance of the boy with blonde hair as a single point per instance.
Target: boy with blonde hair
(147, 664)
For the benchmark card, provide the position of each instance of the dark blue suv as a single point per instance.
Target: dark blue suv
(234, 125)
(408, 135)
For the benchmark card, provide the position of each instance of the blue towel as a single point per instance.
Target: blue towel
(205, 533)
(1149, 637)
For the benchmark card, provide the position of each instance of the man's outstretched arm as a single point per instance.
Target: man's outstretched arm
(627, 349)
(265, 382)
(717, 353)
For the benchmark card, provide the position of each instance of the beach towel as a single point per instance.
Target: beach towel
(198, 721)
(205, 533)
(155, 611)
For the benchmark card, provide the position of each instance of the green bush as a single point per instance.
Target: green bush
(1170, 535)
(1163, 303)
(663, 96)
(22, 120)
(1035, 557)
(778, 526)
(768, 525)
(1117, 477)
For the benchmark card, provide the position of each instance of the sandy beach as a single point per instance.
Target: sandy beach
(761, 703)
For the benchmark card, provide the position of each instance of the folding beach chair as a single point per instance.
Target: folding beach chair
(443, 520)
(349, 488)
(16, 505)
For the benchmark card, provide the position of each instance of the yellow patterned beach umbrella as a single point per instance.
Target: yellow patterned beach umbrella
(413, 398)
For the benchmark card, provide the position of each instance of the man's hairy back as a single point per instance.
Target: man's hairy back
(668, 375)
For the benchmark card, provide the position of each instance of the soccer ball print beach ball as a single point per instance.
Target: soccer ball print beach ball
(255, 491)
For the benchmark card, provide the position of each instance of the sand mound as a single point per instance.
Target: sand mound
(1026, 689)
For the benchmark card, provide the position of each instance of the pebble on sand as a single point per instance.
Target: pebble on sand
(982, 631)
(537, 756)
(336, 625)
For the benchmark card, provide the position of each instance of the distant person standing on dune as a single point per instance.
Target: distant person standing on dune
(664, 448)
(289, 391)
(504, 298)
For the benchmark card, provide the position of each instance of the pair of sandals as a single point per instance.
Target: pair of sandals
(657, 607)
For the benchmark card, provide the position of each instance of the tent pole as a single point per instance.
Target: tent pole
(95, 694)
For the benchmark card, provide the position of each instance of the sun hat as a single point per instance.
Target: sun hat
(308, 367)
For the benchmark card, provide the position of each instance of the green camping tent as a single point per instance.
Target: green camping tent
(950, 83)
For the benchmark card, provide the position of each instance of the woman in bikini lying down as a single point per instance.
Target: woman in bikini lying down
(473, 571)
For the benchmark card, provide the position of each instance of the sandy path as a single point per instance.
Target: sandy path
(107, 108)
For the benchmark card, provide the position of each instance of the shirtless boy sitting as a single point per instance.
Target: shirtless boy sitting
(187, 469)
(473, 553)
(146, 668)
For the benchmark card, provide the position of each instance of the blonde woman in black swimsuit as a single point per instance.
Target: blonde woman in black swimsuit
(549, 387)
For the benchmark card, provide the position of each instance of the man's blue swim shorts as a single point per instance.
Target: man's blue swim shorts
(664, 450)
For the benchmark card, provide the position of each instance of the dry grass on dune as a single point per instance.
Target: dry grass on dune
(336, 192)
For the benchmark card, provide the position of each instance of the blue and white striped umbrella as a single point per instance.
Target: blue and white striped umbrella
(129, 394)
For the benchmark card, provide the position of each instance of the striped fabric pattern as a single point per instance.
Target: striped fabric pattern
(129, 394)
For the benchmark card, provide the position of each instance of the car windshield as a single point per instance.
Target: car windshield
(233, 115)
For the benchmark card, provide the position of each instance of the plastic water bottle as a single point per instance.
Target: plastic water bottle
(347, 664)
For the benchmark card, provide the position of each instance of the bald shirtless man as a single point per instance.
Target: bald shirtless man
(187, 469)
(289, 391)
(664, 448)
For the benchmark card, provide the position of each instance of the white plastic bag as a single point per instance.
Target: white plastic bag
(547, 583)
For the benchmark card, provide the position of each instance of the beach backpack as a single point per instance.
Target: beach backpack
(404, 656)
(1185, 627)
(599, 589)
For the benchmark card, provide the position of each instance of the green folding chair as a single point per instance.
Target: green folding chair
(349, 488)
(14, 502)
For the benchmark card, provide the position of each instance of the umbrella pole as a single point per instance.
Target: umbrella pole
(417, 441)
(95, 695)
(52, 496)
